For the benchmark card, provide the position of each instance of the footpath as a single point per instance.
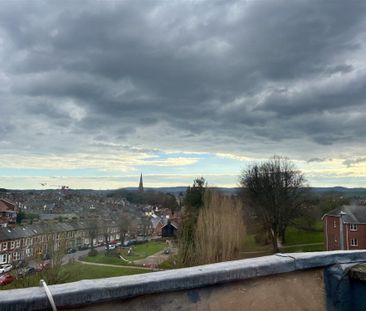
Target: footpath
(149, 263)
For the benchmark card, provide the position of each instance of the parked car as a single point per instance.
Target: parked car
(5, 268)
(84, 247)
(111, 247)
(6, 279)
(71, 250)
(129, 242)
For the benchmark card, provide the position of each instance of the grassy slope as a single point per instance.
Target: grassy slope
(76, 272)
(139, 252)
(295, 240)
(79, 271)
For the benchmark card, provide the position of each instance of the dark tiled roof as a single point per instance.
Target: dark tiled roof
(175, 225)
(355, 214)
(18, 232)
(8, 233)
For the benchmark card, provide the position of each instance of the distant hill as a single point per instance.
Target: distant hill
(340, 190)
(349, 192)
(178, 189)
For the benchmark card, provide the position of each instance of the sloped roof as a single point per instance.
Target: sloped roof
(355, 214)
(17, 232)
(6, 205)
(175, 225)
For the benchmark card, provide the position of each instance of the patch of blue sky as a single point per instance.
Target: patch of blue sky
(206, 163)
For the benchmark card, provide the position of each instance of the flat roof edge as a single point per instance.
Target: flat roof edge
(86, 292)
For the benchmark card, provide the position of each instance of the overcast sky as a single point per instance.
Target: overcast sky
(94, 92)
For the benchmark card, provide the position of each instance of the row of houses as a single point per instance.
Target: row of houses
(36, 241)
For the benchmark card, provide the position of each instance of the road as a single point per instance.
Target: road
(75, 256)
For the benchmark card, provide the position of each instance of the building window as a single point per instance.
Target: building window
(17, 243)
(2, 258)
(354, 242)
(12, 244)
(28, 252)
(16, 256)
(353, 227)
(334, 224)
(4, 246)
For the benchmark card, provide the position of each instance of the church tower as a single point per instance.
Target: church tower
(141, 184)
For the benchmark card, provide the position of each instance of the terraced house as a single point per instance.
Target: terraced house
(27, 242)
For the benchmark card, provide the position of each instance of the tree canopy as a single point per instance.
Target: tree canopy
(273, 190)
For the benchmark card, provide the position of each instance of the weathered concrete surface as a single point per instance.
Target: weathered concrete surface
(337, 287)
(346, 287)
(295, 291)
(91, 292)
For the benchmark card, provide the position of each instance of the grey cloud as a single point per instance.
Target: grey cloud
(316, 160)
(351, 162)
(203, 75)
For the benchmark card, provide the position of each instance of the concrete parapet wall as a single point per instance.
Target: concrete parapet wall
(102, 291)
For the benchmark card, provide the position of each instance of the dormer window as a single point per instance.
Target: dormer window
(353, 227)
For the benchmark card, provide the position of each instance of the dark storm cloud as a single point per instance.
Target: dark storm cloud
(202, 73)
(351, 162)
(316, 160)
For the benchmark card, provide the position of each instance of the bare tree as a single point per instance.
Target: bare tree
(274, 192)
(123, 223)
(106, 232)
(193, 202)
(93, 230)
(220, 229)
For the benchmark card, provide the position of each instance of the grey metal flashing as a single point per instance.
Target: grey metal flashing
(88, 292)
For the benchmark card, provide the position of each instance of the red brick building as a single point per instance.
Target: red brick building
(8, 214)
(345, 228)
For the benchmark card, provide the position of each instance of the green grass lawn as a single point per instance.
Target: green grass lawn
(101, 258)
(75, 272)
(295, 240)
(298, 236)
(79, 271)
(250, 245)
(139, 251)
(303, 248)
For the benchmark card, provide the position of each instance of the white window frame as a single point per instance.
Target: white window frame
(4, 246)
(28, 252)
(352, 227)
(354, 242)
(17, 243)
(3, 258)
(334, 224)
(12, 244)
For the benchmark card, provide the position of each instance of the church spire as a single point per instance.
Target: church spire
(141, 184)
